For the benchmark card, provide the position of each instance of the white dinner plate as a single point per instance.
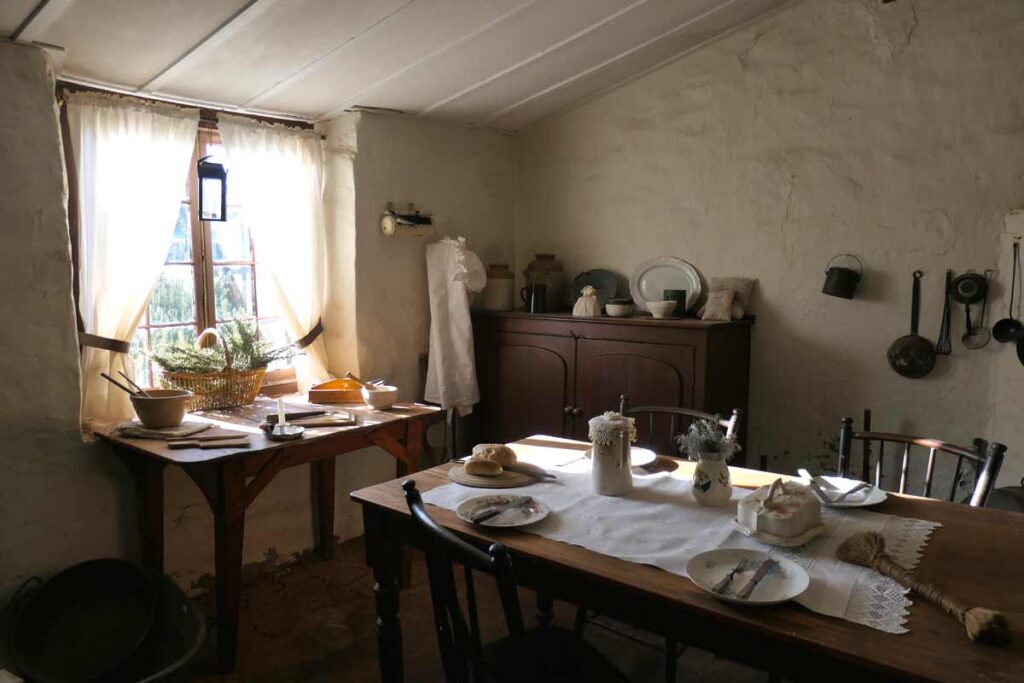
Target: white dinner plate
(638, 457)
(785, 583)
(861, 499)
(531, 513)
(652, 277)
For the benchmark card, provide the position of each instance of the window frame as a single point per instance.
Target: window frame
(276, 381)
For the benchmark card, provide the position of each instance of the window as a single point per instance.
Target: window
(211, 277)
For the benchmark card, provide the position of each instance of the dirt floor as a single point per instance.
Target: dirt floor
(314, 621)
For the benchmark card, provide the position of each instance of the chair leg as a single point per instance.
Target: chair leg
(581, 621)
(671, 659)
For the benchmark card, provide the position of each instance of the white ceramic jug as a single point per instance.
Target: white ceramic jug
(611, 435)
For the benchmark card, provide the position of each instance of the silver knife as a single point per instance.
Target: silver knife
(495, 510)
(767, 567)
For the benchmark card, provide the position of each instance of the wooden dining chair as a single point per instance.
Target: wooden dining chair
(985, 457)
(543, 654)
(658, 426)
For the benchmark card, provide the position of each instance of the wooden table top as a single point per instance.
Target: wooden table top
(977, 555)
(245, 420)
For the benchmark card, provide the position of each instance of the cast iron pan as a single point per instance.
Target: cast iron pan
(90, 622)
(912, 355)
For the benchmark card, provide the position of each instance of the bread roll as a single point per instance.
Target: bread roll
(482, 467)
(499, 453)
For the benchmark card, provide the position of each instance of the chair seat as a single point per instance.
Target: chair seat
(549, 655)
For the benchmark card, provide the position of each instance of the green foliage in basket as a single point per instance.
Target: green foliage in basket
(248, 352)
(705, 440)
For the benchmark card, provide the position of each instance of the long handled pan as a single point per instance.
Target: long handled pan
(1009, 328)
(912, 355)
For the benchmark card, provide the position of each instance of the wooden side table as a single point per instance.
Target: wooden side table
(231, 479)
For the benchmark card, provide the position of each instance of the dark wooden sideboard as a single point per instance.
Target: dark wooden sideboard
(550, 373)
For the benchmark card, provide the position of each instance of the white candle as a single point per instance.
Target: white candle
(280, 412)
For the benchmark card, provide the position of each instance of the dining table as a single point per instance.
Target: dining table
(974, 553)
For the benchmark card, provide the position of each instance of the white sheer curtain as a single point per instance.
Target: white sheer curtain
(278, 171)
(132, 161)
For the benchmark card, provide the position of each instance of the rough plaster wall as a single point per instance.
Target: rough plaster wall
(59, 499)
(893, 131)
(466, 179)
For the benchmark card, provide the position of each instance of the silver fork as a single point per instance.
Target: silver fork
(742, 566)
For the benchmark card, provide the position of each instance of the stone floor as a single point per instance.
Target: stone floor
(314, 621)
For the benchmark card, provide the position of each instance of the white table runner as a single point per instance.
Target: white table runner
(660, 524)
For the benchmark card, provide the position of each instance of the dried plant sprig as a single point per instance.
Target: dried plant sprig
(248, 352)
(706, 440)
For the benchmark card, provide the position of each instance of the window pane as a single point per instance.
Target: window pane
(181, 244)
(231, 241)
(174, 299)
(162, 337)
(233, 291)
(139, 353)
(276, 334)
(266, 294)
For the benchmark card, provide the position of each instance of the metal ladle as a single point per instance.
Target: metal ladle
(1009, 329)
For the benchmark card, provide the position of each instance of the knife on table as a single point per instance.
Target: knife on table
(766, 568)
(495, 510)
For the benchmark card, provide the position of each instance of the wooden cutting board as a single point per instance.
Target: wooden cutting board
(505, 480)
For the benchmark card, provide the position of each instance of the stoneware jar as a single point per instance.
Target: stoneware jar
(546, 270)
(611, 435)
(499, 293)
(712, 485)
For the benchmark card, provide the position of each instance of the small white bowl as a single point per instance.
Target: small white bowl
(661, 309)
(382, 397)
(619, 310)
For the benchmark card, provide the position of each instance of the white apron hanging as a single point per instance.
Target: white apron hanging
(453, 271)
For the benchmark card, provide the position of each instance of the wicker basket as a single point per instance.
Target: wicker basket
(223, 389)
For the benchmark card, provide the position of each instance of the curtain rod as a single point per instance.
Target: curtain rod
(207, 115)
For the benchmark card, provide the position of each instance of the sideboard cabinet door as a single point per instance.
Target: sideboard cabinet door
(525, 385)
(651, 374)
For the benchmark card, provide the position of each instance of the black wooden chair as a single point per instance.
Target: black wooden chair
(663, 423)
(985, 458)
(658, 433)
(544, 654)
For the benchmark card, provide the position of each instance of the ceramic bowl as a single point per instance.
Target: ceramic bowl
(661, 309)
(164, 407)
(382, 397)
(619, 310)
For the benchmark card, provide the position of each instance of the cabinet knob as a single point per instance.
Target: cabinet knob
(567, 410)
(577, 411)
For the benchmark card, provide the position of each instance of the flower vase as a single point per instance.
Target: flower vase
(711, 484)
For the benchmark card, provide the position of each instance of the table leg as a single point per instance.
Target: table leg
(322, 474)
(229, 529)
(383, 555)
(545, 608)
(150, 484)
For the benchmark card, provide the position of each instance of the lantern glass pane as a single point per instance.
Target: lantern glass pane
(213, 199)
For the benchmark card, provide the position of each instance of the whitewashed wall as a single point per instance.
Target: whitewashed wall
(60, 500)
(893, 131)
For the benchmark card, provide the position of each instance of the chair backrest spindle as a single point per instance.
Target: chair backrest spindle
(678, 420)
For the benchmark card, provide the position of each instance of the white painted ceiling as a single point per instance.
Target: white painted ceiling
(499, 64)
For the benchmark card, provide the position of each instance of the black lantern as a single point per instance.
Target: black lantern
(213, 191)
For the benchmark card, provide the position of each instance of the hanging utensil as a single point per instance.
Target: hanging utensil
(979, 336)
(912, 355)
(1010, 328)
(944, 346)
(968, 289)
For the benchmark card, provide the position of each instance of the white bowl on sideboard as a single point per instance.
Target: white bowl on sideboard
(661, 309)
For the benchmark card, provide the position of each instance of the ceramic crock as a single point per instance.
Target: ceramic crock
(546, 270)
(499, 293)
(711, 484)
